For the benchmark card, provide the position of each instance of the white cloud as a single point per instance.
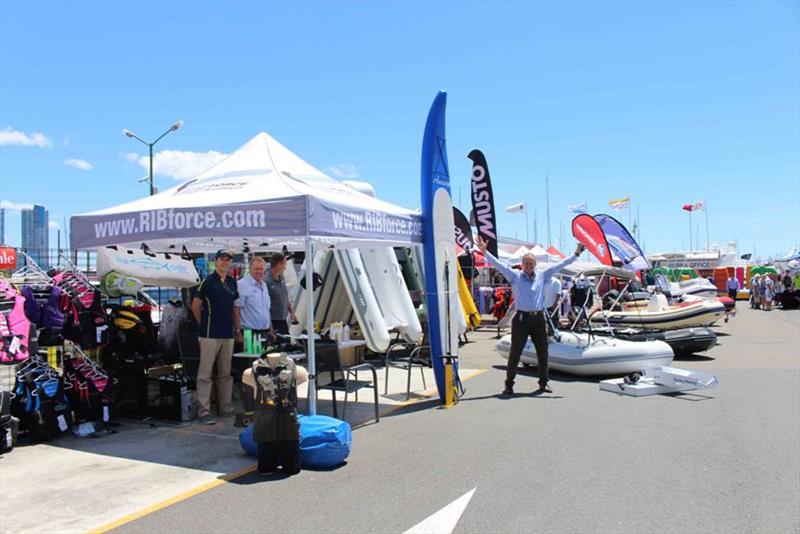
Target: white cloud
(16, 138)
(54, 225)
(344, 171)
(178, 164)
(81, 164)
(13, 207)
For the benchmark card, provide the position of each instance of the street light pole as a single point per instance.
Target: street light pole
(150, 146)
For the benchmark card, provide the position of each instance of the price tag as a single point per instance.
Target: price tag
(99, 332)
(62, 423)
(105, 414)
(14, 346)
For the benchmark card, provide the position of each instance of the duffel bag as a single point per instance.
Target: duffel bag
(324, 441)
(152, 269)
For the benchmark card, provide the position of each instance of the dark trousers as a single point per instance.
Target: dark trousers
(274, 453)
(280, 326)
(732, 294)
(524, 325)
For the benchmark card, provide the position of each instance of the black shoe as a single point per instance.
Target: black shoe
(544, 389)
(508, 391)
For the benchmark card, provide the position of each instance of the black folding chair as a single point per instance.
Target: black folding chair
(406, 356)
(333, 376)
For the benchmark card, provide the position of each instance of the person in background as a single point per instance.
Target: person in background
(755, 291)
(733, 288)
(768, 292)
(581, 297)
(218, 326)
(787, 281)
(552, 292)
(254, 301)
(529, 288)
(280, 307)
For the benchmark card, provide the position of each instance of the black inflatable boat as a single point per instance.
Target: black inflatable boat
(683, 341)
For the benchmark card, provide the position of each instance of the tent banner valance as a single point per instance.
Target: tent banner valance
(336, 220)
(276, 217)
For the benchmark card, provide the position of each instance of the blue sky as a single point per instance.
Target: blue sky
(668, 103)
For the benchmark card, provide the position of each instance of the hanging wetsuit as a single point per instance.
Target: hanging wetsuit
(276, 429)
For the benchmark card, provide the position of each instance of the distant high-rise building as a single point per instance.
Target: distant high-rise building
(35, 234)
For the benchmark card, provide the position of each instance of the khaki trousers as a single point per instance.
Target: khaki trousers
(220, 351)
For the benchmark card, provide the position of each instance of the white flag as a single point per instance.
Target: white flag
(580, 207)
(516, 208)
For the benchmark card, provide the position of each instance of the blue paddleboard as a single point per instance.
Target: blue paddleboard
(441, 278)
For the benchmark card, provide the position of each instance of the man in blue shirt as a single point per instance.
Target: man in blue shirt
(254, 301)
(218, 324)
(733, 288)
(529, 289)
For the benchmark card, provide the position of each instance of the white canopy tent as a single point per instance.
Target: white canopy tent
(262, 197)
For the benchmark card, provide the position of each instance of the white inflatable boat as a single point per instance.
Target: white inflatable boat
(659, 315)
(581, 354)
(345, 295)
(699, 287)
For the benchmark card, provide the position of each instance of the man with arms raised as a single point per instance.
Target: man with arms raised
(529, 289)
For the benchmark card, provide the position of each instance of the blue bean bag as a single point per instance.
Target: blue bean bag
(324, 441)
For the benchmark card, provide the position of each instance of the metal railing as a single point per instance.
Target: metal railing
(53, 257)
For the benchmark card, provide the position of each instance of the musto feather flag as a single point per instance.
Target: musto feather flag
(697, 206)
(483, 201)
(623, 245)
(587, 231)
(620, 203)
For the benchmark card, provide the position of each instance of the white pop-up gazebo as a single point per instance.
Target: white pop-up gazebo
(262, 197)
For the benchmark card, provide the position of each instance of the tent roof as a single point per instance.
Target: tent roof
(262, 196)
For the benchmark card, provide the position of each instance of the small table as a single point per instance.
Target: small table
(350, 351)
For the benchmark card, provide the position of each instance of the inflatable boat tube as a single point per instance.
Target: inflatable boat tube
(578, 353)
(395, 303)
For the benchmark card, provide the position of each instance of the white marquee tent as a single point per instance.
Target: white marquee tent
(262, 197)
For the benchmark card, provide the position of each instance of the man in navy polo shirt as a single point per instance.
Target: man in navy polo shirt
(219, 324)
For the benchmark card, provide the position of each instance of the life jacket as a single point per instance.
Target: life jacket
(133, 328)
(90, 395)
(276, 401)
(88, 325)
(14, 327)
(32, 309)
(44, 408)
(45, 314)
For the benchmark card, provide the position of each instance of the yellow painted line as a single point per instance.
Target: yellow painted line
(173, 500)
(240, 473)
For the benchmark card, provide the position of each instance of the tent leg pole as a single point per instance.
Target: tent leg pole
(312, 360)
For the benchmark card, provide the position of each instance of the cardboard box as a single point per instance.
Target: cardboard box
(351, 355)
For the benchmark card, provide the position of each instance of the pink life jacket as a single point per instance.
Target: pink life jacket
(14, 327)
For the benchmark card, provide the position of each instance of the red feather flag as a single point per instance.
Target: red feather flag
(587, 231)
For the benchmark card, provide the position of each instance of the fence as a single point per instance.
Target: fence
(53, 257)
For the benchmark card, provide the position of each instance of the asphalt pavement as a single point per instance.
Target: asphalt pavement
(579, 460)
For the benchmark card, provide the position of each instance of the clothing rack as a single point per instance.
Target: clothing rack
(30, 274)
(70, 267)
